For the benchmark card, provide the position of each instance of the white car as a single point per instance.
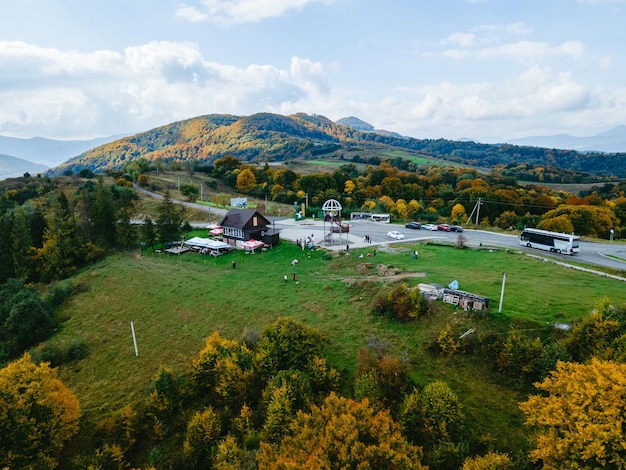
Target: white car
(431, 227)
(396, 235)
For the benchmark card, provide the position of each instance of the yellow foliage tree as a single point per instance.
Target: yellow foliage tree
(349, 187)
(489, 461)
(458, 213)
(581, 416)
(38, 415)
(246, 181)
(342, 433)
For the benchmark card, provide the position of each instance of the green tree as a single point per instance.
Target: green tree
(432, 416)
(27, 322)
(190, 191)
(341, 433)
(286, 344)
(60, 254)
(21, 244)
(169, 220)
(149, 232)
(38, 415)
(104, 216)
(579, 416)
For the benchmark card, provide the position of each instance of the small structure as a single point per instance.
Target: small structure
(241, 225)
(332, 214)
(239, 202)
(208, 246)
(465, 300)
(431, 292)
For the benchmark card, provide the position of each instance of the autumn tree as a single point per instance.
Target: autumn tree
(579, 416)
(489, 461)
(38, 415)
(341, 433)
(560, 223)
(223, 371)
(458, 213)
(201, 439)
(246, 181)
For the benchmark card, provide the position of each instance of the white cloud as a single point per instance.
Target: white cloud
(192, 14)
(58, 93)
(230, 12)
(524, 51)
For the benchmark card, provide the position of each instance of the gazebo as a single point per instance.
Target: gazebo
(332, 214)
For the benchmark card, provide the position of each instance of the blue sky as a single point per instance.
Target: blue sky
(490, 70)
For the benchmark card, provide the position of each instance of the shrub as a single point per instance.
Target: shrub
(447, 343)
(401, 303)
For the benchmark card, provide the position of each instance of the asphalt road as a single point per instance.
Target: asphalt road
(593, 253)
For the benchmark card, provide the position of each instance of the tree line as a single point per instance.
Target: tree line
(431, 194)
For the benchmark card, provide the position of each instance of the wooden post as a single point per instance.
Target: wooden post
(132, 329)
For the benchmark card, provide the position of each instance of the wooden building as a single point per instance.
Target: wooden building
(240, 225)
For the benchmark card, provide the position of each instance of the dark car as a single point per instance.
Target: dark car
(456, 228)
(414, 225)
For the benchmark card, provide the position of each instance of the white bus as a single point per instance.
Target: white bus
(383, 218)
(551, 241)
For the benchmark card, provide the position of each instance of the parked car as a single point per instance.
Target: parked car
(429, 227)
(414, 225)
(443, 227)
(395, 234)
(456, 228)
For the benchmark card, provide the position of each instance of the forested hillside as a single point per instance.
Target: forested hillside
(272, 137)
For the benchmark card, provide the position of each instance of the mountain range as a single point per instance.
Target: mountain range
(11, 167)
(38, 154)
(273, 137)
(612, 141)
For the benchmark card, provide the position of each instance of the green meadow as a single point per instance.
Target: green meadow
(176, 302)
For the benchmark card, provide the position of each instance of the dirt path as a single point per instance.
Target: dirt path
(379, 272)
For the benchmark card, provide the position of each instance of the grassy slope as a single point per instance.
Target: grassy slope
(176, 302)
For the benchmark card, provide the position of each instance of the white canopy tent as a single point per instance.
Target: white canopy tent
(207, 243)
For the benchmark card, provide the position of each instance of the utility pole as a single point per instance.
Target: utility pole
(477, 210)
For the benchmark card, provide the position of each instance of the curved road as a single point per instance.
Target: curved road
(593, 253)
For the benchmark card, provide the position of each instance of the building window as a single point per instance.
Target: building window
(255, 221)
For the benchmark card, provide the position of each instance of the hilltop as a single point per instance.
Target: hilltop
(273, 137)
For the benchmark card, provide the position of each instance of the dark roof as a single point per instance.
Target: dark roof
(239, 218)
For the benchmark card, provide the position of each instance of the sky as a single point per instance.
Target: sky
(487, 70)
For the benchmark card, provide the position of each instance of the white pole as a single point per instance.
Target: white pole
(502, 292)
(132, 329)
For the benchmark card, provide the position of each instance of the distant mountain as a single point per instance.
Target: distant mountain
(49, 152)
(612, 141)
(274, 137)
(359, 125)
(355, 123)
(12, 167)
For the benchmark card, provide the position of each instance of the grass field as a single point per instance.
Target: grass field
(176, 302)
